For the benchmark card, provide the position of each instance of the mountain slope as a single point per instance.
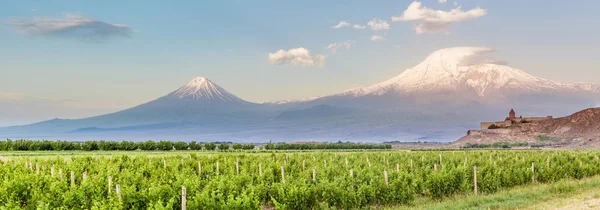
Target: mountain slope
(199, 100)
(579, 129)
(464, 69)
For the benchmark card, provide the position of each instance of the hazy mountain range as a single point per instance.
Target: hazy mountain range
(437, 100)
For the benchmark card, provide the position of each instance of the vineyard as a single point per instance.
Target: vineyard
(279, 179)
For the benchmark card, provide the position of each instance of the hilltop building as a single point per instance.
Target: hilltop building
(511, 120)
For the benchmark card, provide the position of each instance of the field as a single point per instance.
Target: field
(281, 179)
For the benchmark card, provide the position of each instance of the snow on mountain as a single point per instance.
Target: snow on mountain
(201, 88)
(464, 68)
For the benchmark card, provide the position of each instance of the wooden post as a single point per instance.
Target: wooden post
(532, 173)
(237, 166)
(411, 163)
(164, 164)
(465, 164)
(490, 157)
(199, 168)
(109, 184)
(351, 173)
(60, 173)
(182, 163)
(84, 176)
(303, 165)
(314, 174)
(72, 178)
(285, 162)
(548, 162)
(118, 190)
(440, 159)
(346, 163)
(397, 167)
(385, 177)
(52, 171)
(282, 175)
(183, 198)
(37, 168)
(217, 167)
(325, 163)
(422, 158)
(260, 169)
(435, 167)
(475, 179)
(369, 164)
(494, 164)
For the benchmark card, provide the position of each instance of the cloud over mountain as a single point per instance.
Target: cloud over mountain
(341, 25)
(297, 56)
(70, 26)
(378, 25)
(333, 47)
(427, 20)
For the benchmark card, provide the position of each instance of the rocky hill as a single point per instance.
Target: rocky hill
(581, 129)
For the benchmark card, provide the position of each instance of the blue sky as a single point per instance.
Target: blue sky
(229, 43)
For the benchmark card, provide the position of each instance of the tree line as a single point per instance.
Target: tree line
(46, 145)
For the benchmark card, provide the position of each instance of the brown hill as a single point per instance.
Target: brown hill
(581, 129)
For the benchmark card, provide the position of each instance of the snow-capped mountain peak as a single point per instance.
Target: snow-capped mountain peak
(201, 88)
(462, 69)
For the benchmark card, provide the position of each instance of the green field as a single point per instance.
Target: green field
(294, 179)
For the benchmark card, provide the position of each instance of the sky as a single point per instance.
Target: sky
(103, 56)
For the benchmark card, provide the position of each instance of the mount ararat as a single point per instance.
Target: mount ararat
(449, 92)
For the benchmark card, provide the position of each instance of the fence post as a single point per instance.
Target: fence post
(60, 173)
(532, 173)
(351, 173)
(260, 169)
(325, 163)
(385, 177)
(199, 168)
(237, 166)
(303, 165)
(548, 162)
(411, 164)
(346, 163)
(282, 175)
(435, 167)
(109, 184)
(37, 168)
(440, 159)
(52, 171)
(314, 174)
(164, 164)
(217, 167)
(118, 190)
(72, 178)
(183, 198)
(397, 167)
(475, 179)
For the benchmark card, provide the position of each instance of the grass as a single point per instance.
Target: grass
(569, 194)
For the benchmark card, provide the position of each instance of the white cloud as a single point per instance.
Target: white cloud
(358, 27)
(442, 1)
(341, 24)
(297, 56)
(429, 21)
(377, 38)
(455, 3)
(377, 25)
(70, 26)
(333, 47)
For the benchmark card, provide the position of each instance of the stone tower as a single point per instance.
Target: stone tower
(512, 114)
